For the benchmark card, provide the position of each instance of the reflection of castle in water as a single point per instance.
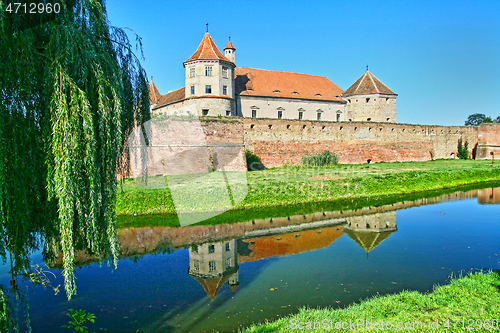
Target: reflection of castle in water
(488, 196)
(368, 231)
(213, 264)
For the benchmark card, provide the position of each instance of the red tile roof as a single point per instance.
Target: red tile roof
(259, 82)
(207, 50)
(368, 84)
(171, 97)
(154, 94)
(229, 45)
(212, 285)
(287, 244)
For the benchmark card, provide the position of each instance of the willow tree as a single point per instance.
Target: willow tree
(71, 90)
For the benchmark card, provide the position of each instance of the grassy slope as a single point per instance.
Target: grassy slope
(476, 296)
(295, 185)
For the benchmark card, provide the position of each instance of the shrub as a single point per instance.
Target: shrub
(325, 158)
(253, 161)
(463, 149)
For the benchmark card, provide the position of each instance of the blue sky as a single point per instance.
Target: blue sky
(441, 57)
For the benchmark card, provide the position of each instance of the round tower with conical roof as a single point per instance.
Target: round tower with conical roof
(229, 51)
(368, 99)
(210, 79)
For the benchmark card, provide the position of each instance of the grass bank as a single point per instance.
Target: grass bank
(312, 185)
(474, 298)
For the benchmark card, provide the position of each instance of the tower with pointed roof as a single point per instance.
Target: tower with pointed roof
(368, 99)
(214, 264)
(229, 51)
(368, 231)
(210, 79)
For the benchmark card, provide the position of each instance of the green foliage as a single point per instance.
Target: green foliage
(71, 91)
(463, 149)
(78, 320)
(324, 159)
(254, 162)
(479, 118)
(5, 318)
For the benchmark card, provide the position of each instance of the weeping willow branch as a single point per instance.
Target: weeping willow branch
(71, 91)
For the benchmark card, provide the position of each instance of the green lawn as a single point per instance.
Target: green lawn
(311, 185)
(475, 299)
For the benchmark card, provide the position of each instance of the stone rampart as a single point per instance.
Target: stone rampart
(280, 141)
(488, 141)
(285, 141)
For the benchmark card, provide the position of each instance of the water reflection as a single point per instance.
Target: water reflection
(489, 196)
(136, 242)
(369, 231)
(214, 264)
(223, 276)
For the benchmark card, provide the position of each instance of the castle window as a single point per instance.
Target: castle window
(191, 72)
(224, 72)
(338, 117)
(204, 112)
(208, 89)
(212, 266)
(387, 119)
(367, 100)
(194, 248)
(224, 90)
(254, 113)
(318, 117)
(368, 119)
(196, 265)
(228, 263)
(228, 113)
(208, 70)
(211, 248)
(192, 90)
(280, 114)
(227, 246)
(301, 115)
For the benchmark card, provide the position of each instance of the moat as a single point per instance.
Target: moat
(229, 276)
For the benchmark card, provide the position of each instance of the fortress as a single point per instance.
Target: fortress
(281, 116)
(215, 86)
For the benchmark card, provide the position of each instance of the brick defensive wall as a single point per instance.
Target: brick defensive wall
(279, 141)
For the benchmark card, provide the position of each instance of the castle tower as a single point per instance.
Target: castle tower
(371, 230)
(368, 99)
(210, 79)
(229, 51)
(214, 264)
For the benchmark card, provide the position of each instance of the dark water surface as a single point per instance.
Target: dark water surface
(267, 273)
